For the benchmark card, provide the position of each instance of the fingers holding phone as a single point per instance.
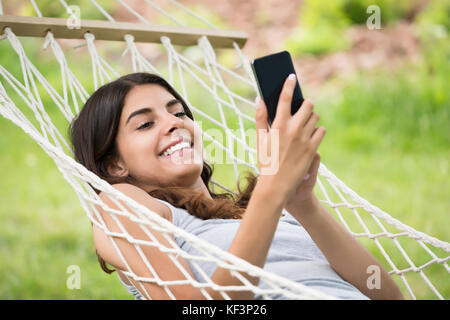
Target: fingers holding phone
(305, 118)
(295, 144)
(283, 110)
(271, 72)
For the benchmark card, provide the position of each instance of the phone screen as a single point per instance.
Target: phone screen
(271, 72)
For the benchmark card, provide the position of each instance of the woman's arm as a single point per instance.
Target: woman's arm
(251, 243)
(253, 238)
(290, 154)
(162, 265)
(345, 254)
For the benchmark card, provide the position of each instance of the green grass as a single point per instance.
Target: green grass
(387, 139)
(43, 228)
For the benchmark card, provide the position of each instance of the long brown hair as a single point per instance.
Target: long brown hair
(93, 135)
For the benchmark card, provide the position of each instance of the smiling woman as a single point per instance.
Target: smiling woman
(122, 134)
(131, 131)
(146, 134)
(41, 91)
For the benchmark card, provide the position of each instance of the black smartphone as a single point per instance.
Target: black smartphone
(271, 72)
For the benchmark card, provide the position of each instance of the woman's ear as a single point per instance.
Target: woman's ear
(117, 169)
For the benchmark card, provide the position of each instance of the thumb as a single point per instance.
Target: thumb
(261, 115)
(314, 168)
(262, 129)
(315, 165)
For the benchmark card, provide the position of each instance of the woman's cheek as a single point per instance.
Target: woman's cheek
(141, 149)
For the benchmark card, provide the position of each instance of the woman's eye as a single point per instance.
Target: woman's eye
(145, 125)
(182, 113)
(149, 124)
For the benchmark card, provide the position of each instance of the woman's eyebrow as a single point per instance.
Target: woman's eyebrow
(149, 110)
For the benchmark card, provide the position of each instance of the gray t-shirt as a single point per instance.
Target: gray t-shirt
(292, 255)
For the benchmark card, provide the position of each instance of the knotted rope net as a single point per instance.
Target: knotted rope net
(195, 71)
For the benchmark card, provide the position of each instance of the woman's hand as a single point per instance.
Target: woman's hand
(286, 151)
(304, 191)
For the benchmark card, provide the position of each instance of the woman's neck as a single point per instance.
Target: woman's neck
(199, 186)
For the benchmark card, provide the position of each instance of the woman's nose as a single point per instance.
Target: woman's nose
(173, 122)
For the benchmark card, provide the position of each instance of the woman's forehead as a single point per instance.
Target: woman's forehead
(148, 95)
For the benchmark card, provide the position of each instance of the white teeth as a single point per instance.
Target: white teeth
(179, 146)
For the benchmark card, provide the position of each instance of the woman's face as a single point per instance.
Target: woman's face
(151, 121)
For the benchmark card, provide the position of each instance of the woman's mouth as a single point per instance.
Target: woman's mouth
(177, 153)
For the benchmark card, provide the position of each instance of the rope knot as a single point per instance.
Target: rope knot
(207, 48)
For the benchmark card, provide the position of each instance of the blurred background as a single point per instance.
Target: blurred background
(382, 94)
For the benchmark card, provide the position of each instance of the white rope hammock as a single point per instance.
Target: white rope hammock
(392, 239)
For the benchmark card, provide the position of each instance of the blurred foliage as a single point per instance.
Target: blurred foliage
(341, 13)
(322, 24)
(387, 138)
(391, 10)
(322, 40)
(322, 27)
(193, 22)
(436, 13)
(407, 109)
(54, 9)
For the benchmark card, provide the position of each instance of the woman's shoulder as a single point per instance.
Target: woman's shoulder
(102, 242)
(142, 197)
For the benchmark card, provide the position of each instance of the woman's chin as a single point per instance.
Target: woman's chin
(181, 170)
